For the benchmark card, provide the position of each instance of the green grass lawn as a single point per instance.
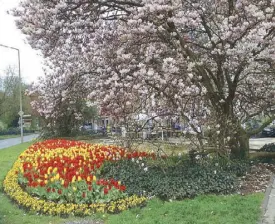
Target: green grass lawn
(201, 210)
(204, 209)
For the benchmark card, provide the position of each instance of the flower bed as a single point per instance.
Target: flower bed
(64, 177)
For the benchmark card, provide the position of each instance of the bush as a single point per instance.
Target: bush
(268, 148)
(263, 157)
(2, 126)
(15, 131)
(184, 180)
(236, 167)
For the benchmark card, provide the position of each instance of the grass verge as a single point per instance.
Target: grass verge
(201, 210)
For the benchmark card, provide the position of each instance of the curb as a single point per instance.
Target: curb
(266, 199)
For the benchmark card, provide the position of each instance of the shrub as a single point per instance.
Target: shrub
(184, 180)
(236, 167)
(268, 148)
(14, 131)
(263, 157)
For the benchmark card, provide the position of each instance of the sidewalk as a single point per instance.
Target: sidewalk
(15, 141)
(257, 143)
(268, 206)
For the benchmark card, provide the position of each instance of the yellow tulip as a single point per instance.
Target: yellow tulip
(94, 178)
(73, 180)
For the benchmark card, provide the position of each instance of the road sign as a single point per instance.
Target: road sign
(21, 113)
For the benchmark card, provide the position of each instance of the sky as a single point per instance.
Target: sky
(31, 61)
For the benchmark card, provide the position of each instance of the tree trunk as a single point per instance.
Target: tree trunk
(240, 145)
(231, 127)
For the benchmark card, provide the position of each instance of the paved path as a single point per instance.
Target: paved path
(257, 143)
(15, 141)
(268, 206)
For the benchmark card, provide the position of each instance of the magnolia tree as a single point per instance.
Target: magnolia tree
(210, 62)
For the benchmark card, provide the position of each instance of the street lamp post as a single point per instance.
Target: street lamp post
(20, 90)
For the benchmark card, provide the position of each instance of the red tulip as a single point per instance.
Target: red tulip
(106, 191)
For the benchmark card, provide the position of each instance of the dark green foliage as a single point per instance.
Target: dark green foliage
(268, 148)
(184, 180)
(236, 167)
(15, 131)
(263, 157)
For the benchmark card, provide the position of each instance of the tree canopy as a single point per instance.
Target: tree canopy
(211, 62)
(9, 97)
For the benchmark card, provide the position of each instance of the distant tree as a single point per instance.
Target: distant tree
(61, 105)
(9, 97)
(89, 112)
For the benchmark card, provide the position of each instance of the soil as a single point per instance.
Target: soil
(257, 179)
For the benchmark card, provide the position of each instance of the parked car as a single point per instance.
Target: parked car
(268, 132)
(86, 127)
